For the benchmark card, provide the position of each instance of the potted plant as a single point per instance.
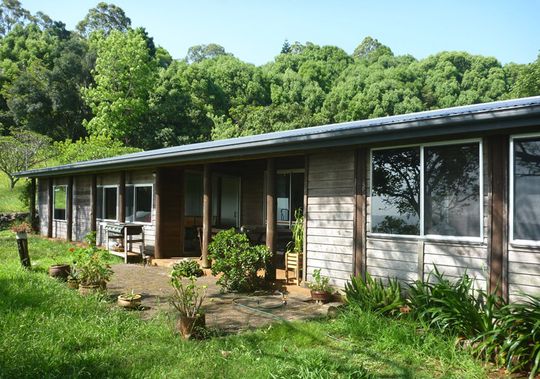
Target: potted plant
(73, 278)
(21, 230)
(93, 271)
(320, 289)
(129, 300)
(188, 299)
(60, 271)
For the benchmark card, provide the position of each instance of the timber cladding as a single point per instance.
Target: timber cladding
(330, 216)
(169, 199)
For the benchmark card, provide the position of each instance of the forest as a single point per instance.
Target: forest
(106, 88)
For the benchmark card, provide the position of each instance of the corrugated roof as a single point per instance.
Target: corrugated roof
(370, 130)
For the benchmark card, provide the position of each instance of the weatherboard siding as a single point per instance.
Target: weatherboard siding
(330, 216)
(42, 199)
(523, 271)
(82, 207)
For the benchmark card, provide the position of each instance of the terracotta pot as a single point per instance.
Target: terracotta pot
(321, 297)
(103, 285)
(60, 271)
(73, 284)
(129, 301)
(187, 326)
(88, 289)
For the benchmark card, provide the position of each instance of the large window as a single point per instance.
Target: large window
(432, 190)
(107, 198)
(60, 197)
(289, 195)
(525, 199)
(139, 203)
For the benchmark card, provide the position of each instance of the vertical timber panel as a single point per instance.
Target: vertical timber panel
(93, 203)
(360, 212)
(50, 207)
(32, 215)
(69, 209)
(271, 216)
(207, 214)
(122, 198)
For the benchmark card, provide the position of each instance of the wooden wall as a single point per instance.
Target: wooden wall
(81, 207)
(330, 216)
(523, 271)
(42, 199)
(252, 195)
(60, 226)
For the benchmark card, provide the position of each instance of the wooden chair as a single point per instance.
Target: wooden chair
(293, 261)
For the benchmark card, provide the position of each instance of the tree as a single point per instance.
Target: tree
(11, 14)
(89, 148)
(105, 18)
(528, 80)
(199, 53)
(22, 150)
(371, 49)
(124, 76)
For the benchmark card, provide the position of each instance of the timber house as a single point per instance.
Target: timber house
(458, 188)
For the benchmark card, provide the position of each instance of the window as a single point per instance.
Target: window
(106, 202)
(525, 189)
(432, 190)
(139, 203)
(60, 197)
(289, 195)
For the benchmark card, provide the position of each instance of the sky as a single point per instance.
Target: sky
(255, 30)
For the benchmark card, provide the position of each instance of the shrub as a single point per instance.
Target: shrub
(514, 340)
(320, 283)
(238, 261)
(373, 295)
(91, 265)
(186, 268)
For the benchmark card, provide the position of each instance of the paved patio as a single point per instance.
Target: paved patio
(229, 312)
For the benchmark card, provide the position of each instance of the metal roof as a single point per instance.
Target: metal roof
(457, 120)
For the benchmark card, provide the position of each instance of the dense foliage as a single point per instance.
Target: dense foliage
(374, 295)
(186, 268)
(237, 261)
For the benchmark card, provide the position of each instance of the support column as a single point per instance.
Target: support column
(360, 213)
(32, 203)
(93, 203)
(207, 214)
(271, 216)
(158, 254)
(498, 151)
(50, 207)
(122, 198)
(69, 209)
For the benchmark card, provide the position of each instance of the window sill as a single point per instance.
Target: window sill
(431, 238)
(525, 243)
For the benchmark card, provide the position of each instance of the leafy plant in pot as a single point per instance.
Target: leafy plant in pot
(60, 271)
(320, 287)
(93, 270)
(129, 300)
(187, 300)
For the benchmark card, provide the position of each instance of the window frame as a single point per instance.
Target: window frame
(422, 235)
(511, 194)
(135, 185)
(54, 202)
(290, 222)
(103, 201)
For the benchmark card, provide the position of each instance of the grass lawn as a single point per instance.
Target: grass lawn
(47, 330)
(9, 200)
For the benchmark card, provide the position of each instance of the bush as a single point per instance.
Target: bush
(238, 261)
(187, 268)
(372, 294)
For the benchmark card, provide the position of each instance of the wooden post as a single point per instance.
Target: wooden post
(306, 206)
(50, 207)
(32, 203)
(22, 244)
(122, 198)
(93, 204)
(498, 151)
(207, 214)
(69, 209)
(158, 198)
(360, 213)
(271, 216)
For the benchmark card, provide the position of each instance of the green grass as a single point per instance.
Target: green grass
(47, 330)
(9, 200)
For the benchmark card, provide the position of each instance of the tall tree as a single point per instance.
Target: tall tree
(528, 80)
(12, 13)
(105, 18)
(199, 53)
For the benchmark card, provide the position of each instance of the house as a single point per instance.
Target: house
(458, 188)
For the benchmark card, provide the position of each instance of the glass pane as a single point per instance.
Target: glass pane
(143, 206)
(60, 196)
(527, 189)
(395, 192)
(99, 201)
(129, 204)
(194, 195)
(282, 197)
(297, 192)
(230, 188)
(110, 203)
(452, 190)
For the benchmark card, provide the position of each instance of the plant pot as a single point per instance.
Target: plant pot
(88, 289)
(188, 326)
(129, 301)
(60, 271)
(103, 285)
(321, 297)
(73, 284)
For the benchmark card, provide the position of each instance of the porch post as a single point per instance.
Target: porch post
(498, 151)
(69, 209)
(32, 205)
(122, 198)
(158, 198)
(50, 207)
(93, 203)
(360, 213)
(271, 216)
(207, 214)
